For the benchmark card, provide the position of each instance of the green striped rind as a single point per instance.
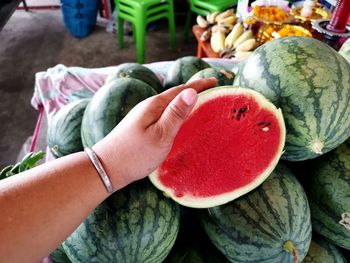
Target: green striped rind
(136, 71)
(63, 135)
(255, 227)
(137, 224)
(345, 50)
(323, 252)
(59, 256)
(183, 69)
(310, 82)
(224, 77)
(110, 105)
(329, 196)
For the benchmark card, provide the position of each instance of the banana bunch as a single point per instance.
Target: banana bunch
(239, 43)
(217, 25)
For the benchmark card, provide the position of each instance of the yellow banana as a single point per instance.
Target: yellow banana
(202, 22)
(245, 36)
(211, 17)
(234, 35)
(217, 41)
(219, 28)
(228, 20)
(247, 45)
(243, 54)
(227, 13)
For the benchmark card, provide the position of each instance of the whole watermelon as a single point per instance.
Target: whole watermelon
(223, 76)
(329, 195)
(271, 224)
(345, 50)
(110, 104)
(64, 130)
(322, 251)
(137, 224)
(183, 69)
(136, 71)
(310, 82)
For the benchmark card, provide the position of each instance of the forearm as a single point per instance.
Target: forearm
(46, 203)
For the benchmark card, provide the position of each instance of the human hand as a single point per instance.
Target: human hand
(143, 139)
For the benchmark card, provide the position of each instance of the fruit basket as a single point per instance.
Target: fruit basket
(291, 30)
(317, 13)
(266, 20)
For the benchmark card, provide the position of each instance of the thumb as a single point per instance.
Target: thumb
(176, 113)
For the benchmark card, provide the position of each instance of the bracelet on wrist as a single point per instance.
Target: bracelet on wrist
(99, 168)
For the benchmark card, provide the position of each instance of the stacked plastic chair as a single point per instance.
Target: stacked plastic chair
(204, 7)
(140, 13)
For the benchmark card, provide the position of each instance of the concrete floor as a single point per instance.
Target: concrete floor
(34, 41)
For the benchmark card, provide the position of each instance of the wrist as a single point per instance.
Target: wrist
(112, 165)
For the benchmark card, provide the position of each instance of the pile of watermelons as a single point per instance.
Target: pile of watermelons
(301, 213)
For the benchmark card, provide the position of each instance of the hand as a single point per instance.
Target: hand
(143, 139)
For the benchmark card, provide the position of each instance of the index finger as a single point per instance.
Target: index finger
(154, 106)
(197, 85)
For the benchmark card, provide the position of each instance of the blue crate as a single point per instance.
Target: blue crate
(80, 16)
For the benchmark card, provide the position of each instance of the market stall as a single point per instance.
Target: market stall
(258, 173)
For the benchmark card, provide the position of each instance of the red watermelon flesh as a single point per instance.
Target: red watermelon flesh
(229, 145)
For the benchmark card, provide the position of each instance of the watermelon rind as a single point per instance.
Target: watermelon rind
(310, 82)
(345, 50)
(321, 251)
(223, 77)
(136, 224)
(257, 226)
(64, 130)
(59, 255)
(136, 71)
(328, 190)
(183, 69)
(205, 202)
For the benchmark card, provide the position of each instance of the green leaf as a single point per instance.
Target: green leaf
(34, 159)
(4, 172)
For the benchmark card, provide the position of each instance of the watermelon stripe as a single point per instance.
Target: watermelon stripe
(326, 224)
(306, 232)
(255, 223)
(277, 220)
(342, 92)
(262, 218)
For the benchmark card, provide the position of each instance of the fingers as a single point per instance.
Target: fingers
(155, 106)
(197, 85)
(175, 114)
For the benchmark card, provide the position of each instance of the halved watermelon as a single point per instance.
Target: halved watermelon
(228, 146)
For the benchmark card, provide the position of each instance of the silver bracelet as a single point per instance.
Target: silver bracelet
(102, 173)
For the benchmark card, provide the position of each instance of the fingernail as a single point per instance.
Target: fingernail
(189, 96)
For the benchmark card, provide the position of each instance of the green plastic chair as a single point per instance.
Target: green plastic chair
(204, 7)
(140, 13)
